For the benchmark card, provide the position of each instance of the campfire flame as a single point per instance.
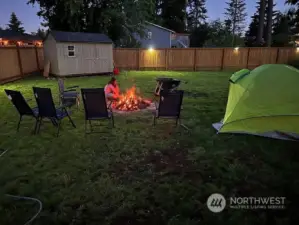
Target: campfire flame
(129, 101)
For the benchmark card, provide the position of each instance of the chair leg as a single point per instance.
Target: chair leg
(58, 127)
(36, 125)
(18, 127)
(176, 122)
(154, 121)
(91, 129)
(70, 119)
(85, 127)
(39, 125)
(112, 120)
(54, 122)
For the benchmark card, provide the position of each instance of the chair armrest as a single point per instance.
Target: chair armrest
(70, 90)
(76, 86)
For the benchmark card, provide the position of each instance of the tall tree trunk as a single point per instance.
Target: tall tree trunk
(260, 32)
(269, 23)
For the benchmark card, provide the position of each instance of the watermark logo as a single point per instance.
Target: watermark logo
(257, 202)
(216, 203)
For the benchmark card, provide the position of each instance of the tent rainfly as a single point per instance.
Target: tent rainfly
(263, 102)
(75, 53)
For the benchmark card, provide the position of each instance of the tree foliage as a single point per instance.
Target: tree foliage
(281, 30)
(252, 32)
(235, 15)
(118, 19)
(199, 35)
(15, 24)
(196, 13)
(172, 14)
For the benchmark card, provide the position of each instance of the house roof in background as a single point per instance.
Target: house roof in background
(160, 27)
(183, 34)
(15, 36)
(62, 36)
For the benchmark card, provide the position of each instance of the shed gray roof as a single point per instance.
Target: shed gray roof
(62, 36)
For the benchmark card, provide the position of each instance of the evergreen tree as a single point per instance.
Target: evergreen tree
(41, 33)
(173, 14)
(269, 22)
(235, 17)
(281, 30)
(294, 15)
(196, 14)
(220, 36)
(252, 32)
(15, 24)
(261, 26)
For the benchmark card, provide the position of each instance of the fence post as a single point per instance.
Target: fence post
(248, 54)
(277, 55)
(138, 55)
(166, 59)
(36, 56)
(19, 60)
(195, 57)
(222, 59)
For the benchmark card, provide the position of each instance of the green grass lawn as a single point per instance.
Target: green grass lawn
(137, 173)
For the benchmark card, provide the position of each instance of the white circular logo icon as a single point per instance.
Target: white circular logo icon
(216, 203)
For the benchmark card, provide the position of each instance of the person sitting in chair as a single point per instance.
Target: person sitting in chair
(112, 90)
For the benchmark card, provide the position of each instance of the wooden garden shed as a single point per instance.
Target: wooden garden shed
(76, 53)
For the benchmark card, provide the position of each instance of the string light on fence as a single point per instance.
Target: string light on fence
(151, 49)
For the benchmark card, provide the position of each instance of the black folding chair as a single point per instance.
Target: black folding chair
(95, 106)
(22, 106)
(169, 105)
(48, 110)
(68, 96)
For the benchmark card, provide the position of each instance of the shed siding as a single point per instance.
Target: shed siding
(50, 54)
(89, 59)
(160, 38)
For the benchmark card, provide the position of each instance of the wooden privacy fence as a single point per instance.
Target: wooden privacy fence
(18, 61)
(201, 58)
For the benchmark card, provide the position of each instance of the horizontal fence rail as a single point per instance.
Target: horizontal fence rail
(201, 58)
(17, 62)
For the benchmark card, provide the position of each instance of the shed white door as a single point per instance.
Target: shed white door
(103, 58)
(98, 58)
(89, 54)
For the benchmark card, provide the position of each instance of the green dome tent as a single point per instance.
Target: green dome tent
(264, 102)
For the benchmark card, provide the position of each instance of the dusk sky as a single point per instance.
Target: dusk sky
(31, 22)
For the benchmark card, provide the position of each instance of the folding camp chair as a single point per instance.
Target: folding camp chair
(166, 84)
(68, 96)
(95, 106)
(47, 108)
(169, 105)
(22, 106)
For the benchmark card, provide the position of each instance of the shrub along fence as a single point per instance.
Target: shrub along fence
(201, 58)
(19, 61)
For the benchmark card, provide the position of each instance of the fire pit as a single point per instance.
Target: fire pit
(130, 102)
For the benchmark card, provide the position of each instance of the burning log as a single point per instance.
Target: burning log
(131, 102)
